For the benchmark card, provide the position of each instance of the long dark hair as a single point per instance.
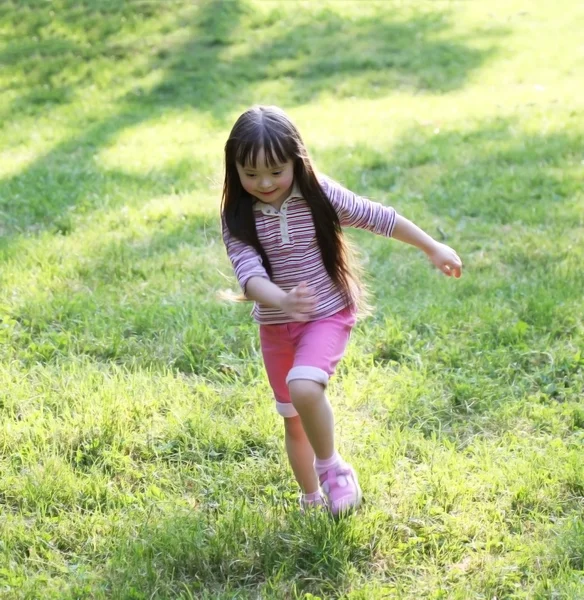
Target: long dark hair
(270, 129)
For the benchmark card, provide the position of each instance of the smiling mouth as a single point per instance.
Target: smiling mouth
(267, 193)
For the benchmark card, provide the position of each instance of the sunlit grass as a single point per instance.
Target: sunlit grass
(141, 456)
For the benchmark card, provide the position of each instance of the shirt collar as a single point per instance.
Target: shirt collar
(268, 209)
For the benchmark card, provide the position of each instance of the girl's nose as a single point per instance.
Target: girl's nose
(265, 183)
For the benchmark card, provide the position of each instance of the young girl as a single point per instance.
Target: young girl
(282, 230)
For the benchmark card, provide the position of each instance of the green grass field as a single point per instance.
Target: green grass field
(140, 453)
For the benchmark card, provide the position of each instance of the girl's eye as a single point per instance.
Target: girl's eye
(277, 173)
(250, 174)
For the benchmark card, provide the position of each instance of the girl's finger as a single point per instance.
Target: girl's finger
(306, 292)
(307, 300)
(305, 308)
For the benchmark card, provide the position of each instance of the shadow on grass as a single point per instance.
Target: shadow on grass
(492, 173)
(69, 48)
(318, 52)
(315, 49)
(66, 182)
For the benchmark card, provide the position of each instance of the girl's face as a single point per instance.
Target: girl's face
(270, 184)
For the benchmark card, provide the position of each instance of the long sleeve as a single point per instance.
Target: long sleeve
(359, 212)
(246, 261)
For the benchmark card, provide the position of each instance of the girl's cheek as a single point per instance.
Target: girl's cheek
(287, 182)
(247, 185)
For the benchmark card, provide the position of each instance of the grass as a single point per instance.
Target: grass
(140, 454)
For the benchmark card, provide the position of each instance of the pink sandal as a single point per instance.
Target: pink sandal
(342, 489)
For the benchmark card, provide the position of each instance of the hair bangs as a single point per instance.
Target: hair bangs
(277, 147)
(247, 152)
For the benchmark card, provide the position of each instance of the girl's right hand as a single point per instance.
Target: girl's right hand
(299, 302)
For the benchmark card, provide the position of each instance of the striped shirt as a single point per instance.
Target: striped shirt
(288, 237)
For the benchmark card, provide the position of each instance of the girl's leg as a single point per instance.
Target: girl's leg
(300, 455)
(278, 352)
(320, 346)
(337, 478)
(316, 415)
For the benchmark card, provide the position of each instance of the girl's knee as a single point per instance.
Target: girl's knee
(293, 426)
(305, 391)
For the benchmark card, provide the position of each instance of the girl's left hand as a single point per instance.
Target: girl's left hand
(446, 259)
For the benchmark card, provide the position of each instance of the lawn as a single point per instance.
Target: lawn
(140, 453)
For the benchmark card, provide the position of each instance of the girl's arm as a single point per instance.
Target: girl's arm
(359, 212)
(356, 211)
(245, 260)
(441, 255)
(298, 303)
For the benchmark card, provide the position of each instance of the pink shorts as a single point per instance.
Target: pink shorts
(304, 351)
